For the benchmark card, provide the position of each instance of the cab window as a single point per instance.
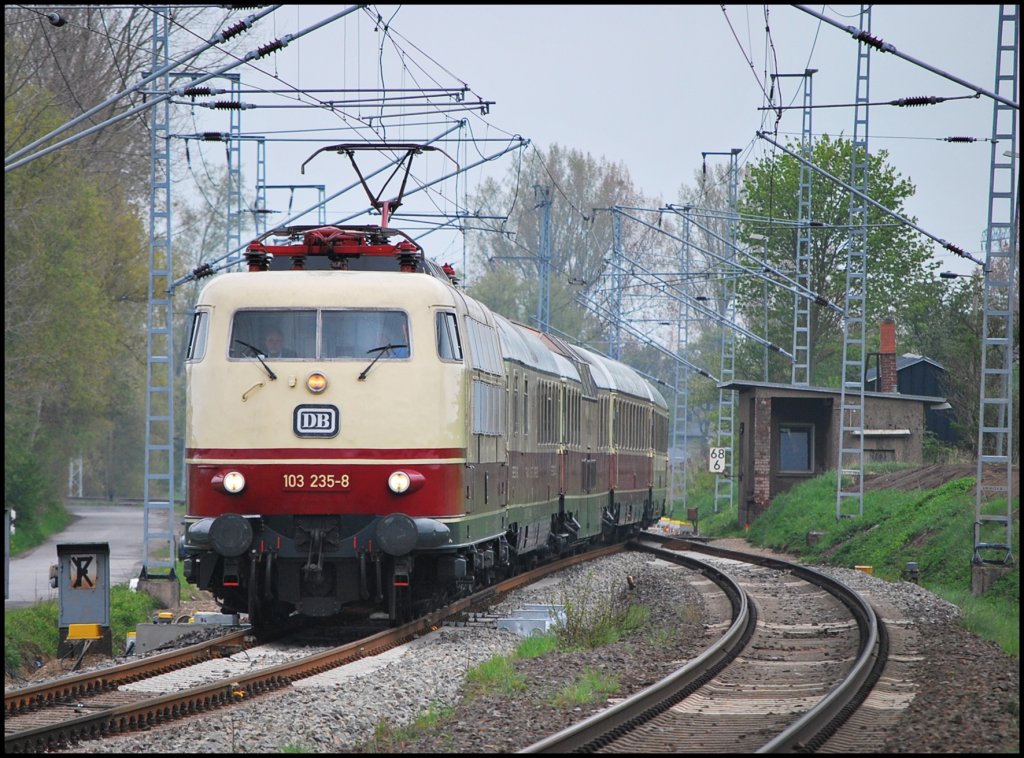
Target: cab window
(197, 336)
(281, 334)
(362, 334)
(449, 347)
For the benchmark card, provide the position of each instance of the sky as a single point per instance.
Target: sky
(652, 87)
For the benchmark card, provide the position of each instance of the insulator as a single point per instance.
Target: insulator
(269, 48)
(197, 92)
(958, 250)
(960, 139)
(203, 270)
(227, 105)
(214, 137)
(919, 100)
(869, 40)
(233, 30)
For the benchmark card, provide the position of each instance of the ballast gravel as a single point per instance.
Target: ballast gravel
(967, 689)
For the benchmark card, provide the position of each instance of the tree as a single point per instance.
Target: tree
(582, 191)
(74, 264)
(945, 324)
(898, 262)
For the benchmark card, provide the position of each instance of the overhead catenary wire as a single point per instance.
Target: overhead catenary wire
(216, 39)
(948, 245)
(251, 55)
(885, 47)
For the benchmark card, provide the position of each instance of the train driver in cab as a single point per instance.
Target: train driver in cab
(273, 344)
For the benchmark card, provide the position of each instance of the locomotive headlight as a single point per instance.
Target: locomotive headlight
(230, 481)
(398, 482)
(316, 382)
(401, 482)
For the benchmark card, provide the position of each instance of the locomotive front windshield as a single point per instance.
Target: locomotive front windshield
(320, 334)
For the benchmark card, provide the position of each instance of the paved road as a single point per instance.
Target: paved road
(120, 526)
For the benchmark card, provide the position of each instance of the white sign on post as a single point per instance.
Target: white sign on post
(717, 463)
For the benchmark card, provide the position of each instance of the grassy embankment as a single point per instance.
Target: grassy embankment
(935, 528)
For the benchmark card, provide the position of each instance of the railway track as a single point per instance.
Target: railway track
(798, 654)
(792, 662)
(121, 699)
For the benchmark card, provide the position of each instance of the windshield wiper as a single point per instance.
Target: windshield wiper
(259, 356)
(379, 351)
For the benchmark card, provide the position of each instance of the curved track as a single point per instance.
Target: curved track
(800, 653)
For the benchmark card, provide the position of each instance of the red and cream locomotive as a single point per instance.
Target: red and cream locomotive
(406, 445)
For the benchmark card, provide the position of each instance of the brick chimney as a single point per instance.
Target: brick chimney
(887, 381)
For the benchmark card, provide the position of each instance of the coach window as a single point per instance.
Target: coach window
(488, 407)
(602, 438)
(526, 408)
(796, 449)
(515, 402)
(483, 343)
(449, 347)
(250, 327)
(197, 337)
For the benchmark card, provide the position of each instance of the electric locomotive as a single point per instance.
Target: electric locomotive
(407, 446)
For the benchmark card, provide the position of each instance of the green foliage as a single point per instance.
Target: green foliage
(26, 482)
(537, 645)
(592, 687)
(944, 322)
(596, 616)
(386, 737)
(496, 673)
(700, 492)
(74, 301)
(930, 527)
(31, 633)
(934, 450)
(128, 609)
(721, 524)
(899, 265)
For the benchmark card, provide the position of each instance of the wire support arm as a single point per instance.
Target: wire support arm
(862, 36)
(947, 245)
(600, 310)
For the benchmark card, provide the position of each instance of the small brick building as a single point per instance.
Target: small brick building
(788, 433)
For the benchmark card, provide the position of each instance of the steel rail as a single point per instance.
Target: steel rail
(807, 732)
(152, 711)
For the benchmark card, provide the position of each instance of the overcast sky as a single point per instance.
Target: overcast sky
(655, 86)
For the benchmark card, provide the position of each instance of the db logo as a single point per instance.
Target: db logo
(315, 421)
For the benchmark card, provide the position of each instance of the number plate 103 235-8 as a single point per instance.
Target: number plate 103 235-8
(315, 482)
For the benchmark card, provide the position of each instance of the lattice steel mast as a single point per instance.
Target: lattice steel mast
(724, 488)
(850, 468)
(158, 484)
(801, 371)
(679, 449)
(993, 521)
